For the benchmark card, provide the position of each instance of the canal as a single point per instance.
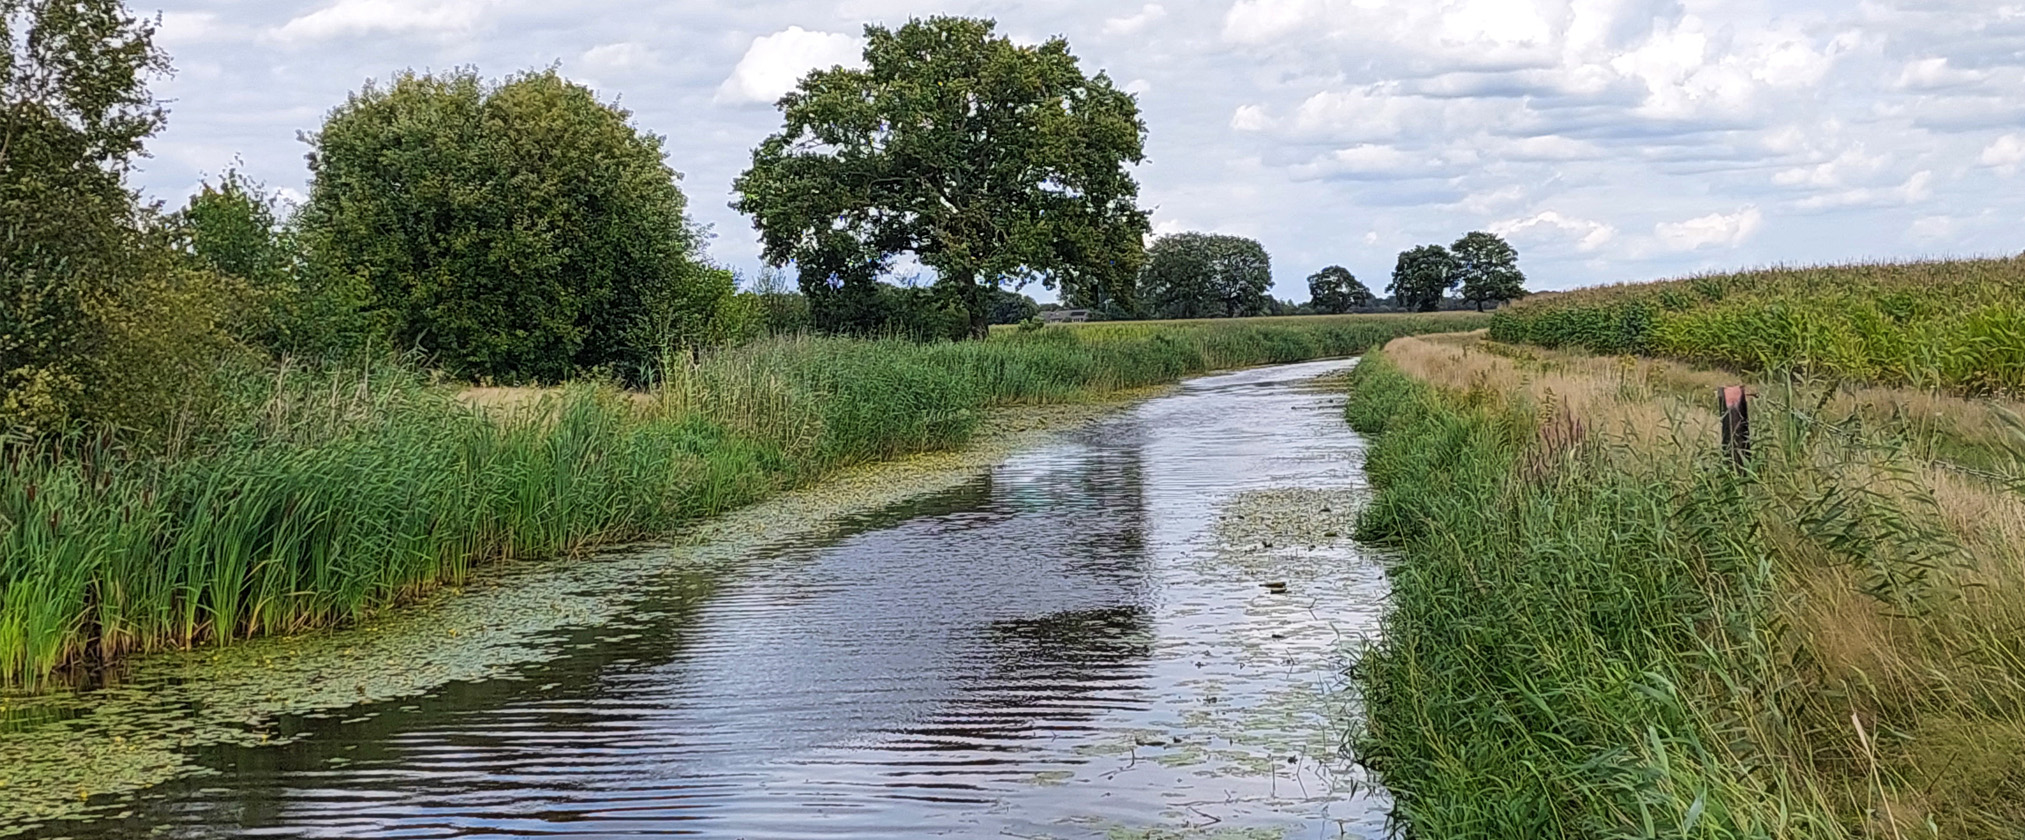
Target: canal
(1135, 629)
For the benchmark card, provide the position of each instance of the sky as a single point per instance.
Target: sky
(1608, 140)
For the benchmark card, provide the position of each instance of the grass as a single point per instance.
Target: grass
(1601, 629)
(1951, 325)
(323, 497)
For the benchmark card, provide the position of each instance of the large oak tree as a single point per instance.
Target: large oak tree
(993, 163)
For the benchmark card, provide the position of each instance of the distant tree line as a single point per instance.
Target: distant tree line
(523, 231)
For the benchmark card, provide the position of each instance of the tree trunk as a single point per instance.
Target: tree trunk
(977, 303)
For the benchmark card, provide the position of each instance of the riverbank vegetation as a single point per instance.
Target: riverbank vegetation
(1601, 628)
(305, 498)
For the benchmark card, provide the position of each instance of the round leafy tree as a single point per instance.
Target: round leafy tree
(1488, 269)
(1334, 290)
(519, 231)
(994, 164)
(1422, 277)
(1206, 275)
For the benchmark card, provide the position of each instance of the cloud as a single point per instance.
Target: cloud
(1720, 229)
(1917, 187)
(347, 18)
(775, 63)
(1549, 226)
(2005, 154)
(1147, 16)
(1935, 74)
(620, 57)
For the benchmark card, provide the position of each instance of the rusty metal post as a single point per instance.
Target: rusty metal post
(1735, 406)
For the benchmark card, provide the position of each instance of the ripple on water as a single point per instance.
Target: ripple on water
(1132, 630)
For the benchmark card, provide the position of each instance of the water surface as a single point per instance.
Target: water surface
(1135, 630)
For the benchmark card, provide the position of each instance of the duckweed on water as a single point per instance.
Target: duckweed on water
(65, 753)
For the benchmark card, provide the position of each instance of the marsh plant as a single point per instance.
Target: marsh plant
(1603, 628)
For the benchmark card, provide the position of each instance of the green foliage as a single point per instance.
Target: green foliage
(1573, 649)
(1335, 290)
(328, 494)
(1422, 277)
(522, 231)
(1205, 275)
(1952, 325)
(233, 229)
(993, 163)
(1487, 268)
(1010, 307)
(98, 324)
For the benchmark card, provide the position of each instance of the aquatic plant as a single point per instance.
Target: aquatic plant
(328, 495)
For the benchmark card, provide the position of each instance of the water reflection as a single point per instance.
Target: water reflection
(985, 661)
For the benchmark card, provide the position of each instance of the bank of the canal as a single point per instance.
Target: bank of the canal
(1102, 621)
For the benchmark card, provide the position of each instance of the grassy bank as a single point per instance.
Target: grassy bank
(1955, 325)
(322, 497)
(1600, 629)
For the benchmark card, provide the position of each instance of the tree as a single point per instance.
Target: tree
(994, 164)
(518, 231)
(1205, 275)
(1422, 277)
(1010, 307)
(1334, 290)
(77, 270)
(1488, 269)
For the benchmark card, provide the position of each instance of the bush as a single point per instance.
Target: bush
(514, 232)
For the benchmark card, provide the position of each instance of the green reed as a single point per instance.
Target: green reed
(324, 496)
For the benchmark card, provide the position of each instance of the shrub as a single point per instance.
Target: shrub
(520, 231)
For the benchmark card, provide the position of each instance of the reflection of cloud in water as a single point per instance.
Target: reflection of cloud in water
(913, 676)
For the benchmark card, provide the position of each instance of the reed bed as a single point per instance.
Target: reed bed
(1602, 629)
(324, 496)
(1954, 325)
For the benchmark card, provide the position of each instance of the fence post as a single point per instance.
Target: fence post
(1735, 406)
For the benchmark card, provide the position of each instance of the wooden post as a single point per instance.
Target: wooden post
(1735, 406)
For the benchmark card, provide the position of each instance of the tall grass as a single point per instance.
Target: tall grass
(1954, 325)
(326, 496)
(1601, 629)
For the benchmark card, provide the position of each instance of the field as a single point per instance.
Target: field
(1950, 325)
(329, 495)
(1603, 629)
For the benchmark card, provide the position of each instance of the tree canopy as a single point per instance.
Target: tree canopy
(74, 110)
(1487, 267)
(1422, 277)
(994, 164)
(1205, 275)
(1335, 290)
(517, 231)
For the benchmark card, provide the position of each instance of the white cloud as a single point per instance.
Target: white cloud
(347, 18)
(1138, 87)
(2005, 154)
(1935, 74)
(1720, 229)
(1547, 226)
(1250, 118)
(775, 63)
(1260, 21)
(1917, 187)
(1927, 229)
(1147, 16)
(620, 57)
